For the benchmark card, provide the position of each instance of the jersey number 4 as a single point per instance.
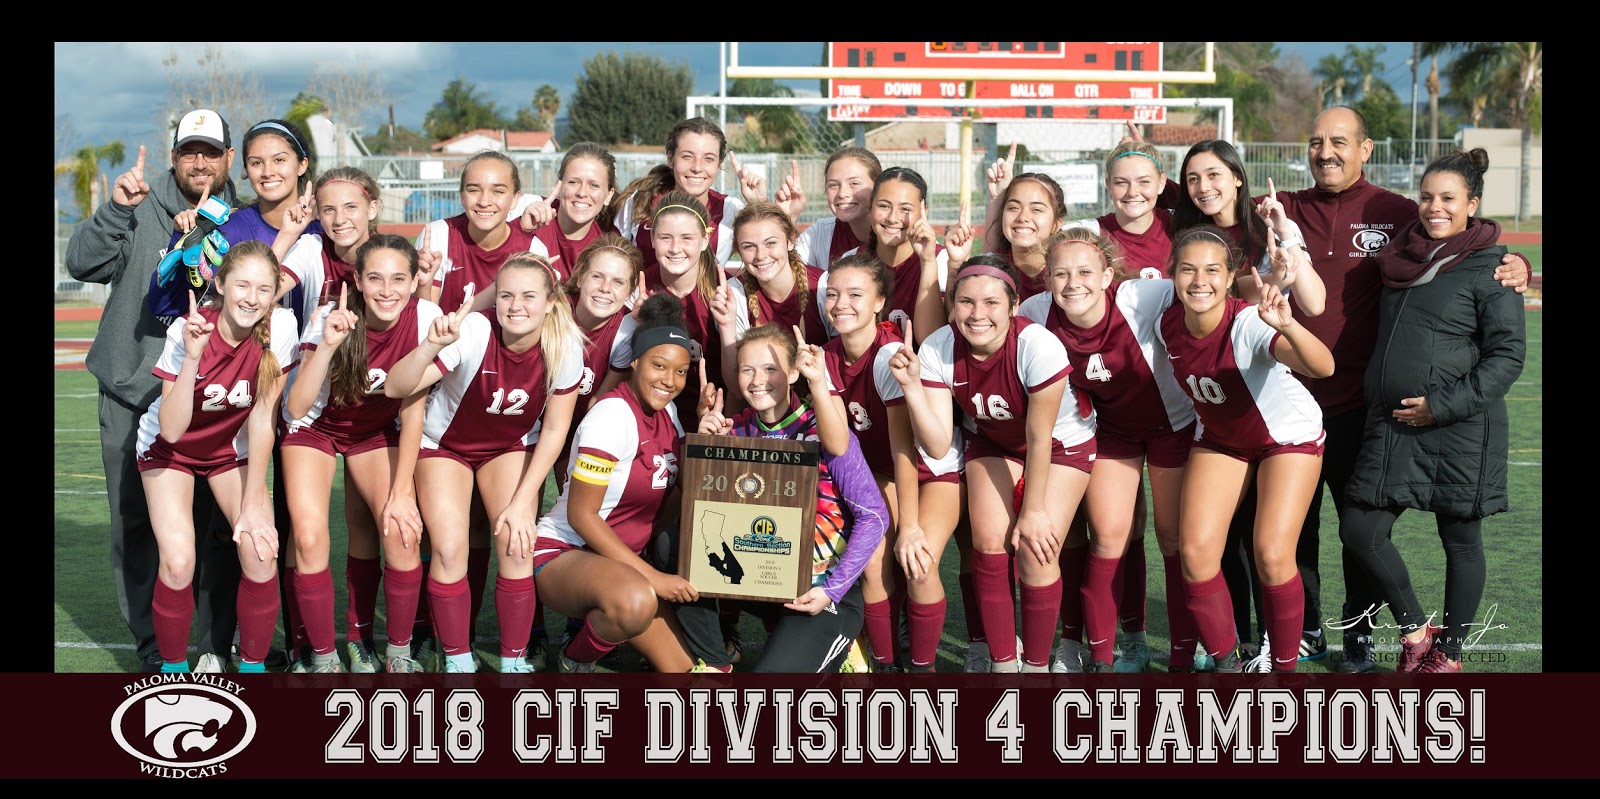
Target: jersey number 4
(218, 394)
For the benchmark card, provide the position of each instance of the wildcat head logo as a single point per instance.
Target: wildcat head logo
(1370, 240)
(183, 725)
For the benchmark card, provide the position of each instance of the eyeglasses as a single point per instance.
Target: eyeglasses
(190, 156)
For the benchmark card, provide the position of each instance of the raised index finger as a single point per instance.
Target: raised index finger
(1011, 157)
(733, 159)
(192, 308)
(342, 287)
(966, 212)
(1272, 191)
(703, 380)
(906, 324)
(553, 190)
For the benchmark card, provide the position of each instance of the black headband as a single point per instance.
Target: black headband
(648, 338)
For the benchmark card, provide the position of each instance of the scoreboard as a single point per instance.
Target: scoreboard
(1122, 97)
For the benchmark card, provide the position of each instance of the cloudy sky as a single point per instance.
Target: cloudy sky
(116, 91)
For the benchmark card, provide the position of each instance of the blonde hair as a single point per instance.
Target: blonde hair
(1139, 150)
(610, 241)
(1110, 251)
(269, 369)
(779, 333)
(559, 331)
(765, 211)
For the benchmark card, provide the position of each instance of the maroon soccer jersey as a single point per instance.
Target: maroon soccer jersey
(490, 398)
(313, 264)
(634, 454)
(825, 241)
(1027, 285)
(994, 393)
(550, 242)
(384, 348)
(787, 314)
(860, 385)
(1120, 363)
(1151, 249)
(907, 275)
(225, 391)
(597, 354)
(1245, 398)
(468, 263)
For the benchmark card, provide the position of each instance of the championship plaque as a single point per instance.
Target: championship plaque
(749, 516)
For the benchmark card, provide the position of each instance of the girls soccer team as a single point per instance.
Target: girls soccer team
(1012, 384)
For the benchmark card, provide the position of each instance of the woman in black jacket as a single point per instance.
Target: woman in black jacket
(1450, 344)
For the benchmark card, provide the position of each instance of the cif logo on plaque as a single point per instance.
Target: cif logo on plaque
(749, 508)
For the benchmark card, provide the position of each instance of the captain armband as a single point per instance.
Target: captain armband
(593, 469)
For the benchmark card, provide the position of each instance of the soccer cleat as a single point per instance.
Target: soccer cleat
(735, 649)
(1068, 658)
(1437, 662)
(515, 665)
(176, 667)
(1203, 662)
(1412, 655)
(1360, 656)
(1313, 646)
(702, 667)
(302, 661)
(1100, 667)
(1231, 663)
(209, 664)
(1133, 659)
(856, 661)
(1260, 664)
(401, 664)
(1012, 666)
(539, 653)
(464, 663)
(977, 661)
(333, 667)
(566, 665)
(425, 651)
(361, 659)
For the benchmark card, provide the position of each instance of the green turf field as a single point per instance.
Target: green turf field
(91, 637)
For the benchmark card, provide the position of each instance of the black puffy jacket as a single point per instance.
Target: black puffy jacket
(1458, 340)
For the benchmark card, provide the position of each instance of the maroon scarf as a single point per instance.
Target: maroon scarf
(1412, 259)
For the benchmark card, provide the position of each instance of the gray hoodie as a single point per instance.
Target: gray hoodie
(121, 245)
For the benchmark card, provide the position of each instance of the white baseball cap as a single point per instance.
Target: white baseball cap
(202, 125)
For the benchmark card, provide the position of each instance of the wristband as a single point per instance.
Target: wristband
(1294, 241)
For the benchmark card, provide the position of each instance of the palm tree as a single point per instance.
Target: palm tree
(1364, 61)
(88, 184)
(547, 101)
(1334, 71)
(1515, 73)
(774, 128)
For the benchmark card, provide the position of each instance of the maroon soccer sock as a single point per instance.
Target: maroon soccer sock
(294, 630)
(880, 631)
(422, 627)
(1286, 609)
(402, 591)
(450, 608)
(969, 608)
(927, 624)
(172, 611)
(537, 625)
(258, 617)
(1073, 563)
(1100, 607)
(314, 592)
(587, 646)
(1130, 588)
(513, 603)
(477, 580)
(993, 588)
(1040, 603)
(361, 578)
(1212, 607)
(1179, 620)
